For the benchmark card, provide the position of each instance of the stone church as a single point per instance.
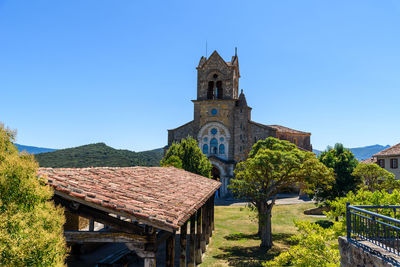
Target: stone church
(222, 121)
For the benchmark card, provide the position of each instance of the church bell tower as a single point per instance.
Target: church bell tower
(217, 79)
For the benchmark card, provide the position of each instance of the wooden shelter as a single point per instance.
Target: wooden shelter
(141, 207)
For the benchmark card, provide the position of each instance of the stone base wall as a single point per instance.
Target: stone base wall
(366, 254)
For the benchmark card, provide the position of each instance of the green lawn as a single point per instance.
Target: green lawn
(235, 241)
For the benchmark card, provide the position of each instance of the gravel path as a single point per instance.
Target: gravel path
(283, 199)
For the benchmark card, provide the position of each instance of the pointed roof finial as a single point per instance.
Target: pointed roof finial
(235, 51)
(241, 91)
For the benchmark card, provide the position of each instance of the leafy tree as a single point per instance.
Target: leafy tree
(375, 178)
(343, 162)
(188, 156)
(314, 246)
(31, 227)
(272, 165)
(314, 241)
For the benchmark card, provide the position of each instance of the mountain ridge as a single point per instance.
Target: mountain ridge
(362, 153)
(98, 155)
(33, 149)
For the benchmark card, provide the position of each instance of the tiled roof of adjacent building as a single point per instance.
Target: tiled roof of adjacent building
(284, 129)
(370, 160)
(391, 151)
(158, 196)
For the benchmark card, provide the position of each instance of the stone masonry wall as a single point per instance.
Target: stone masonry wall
(181, 132)
(258, 132)
(365, 254)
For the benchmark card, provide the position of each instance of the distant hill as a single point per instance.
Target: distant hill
(98, 155)
(33, 149)
(362, 153)
(317, 152)
(366, 152)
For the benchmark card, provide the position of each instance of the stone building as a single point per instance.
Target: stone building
(222, 121)
(389, 159)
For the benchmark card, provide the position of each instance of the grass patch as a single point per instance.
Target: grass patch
(235, 241)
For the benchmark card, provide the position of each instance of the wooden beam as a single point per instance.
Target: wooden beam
(106, 237)
(91, 225)
(198, 252)
(170, 251)
(99, 216)
(183, 239)
(192, 243)
(112, 211)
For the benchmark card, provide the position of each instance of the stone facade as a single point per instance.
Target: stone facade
(222, 121)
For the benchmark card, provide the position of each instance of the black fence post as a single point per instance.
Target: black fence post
(348, 220)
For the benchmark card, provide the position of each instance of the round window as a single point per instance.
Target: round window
(214, 111)
(214, 131)
(205, 139)
(221, 139)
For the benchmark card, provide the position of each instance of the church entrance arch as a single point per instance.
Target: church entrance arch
(215, 173)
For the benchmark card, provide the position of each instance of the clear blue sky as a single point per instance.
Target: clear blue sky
(123, 72)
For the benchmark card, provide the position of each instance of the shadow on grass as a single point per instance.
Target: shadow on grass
(253, 256)
(239, 236)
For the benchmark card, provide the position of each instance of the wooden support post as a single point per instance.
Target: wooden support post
(183, 239)
(150, 262)
(170, 251)
(198, 237)
(203, 227)
(208, 221)
(192, 244)
(212, 213)
(210, 225)
(91, 225)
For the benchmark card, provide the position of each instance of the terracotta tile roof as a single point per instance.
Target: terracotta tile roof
(390, 151)
(162, 197)
(284, 129)
(370, 160)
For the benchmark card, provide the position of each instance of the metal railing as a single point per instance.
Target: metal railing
(381, 230)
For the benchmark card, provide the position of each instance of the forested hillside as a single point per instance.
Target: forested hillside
(98, 155)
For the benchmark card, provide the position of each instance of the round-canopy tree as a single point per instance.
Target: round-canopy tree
(31, 227)
(272, 165)
(343, 163)
(375, 178)
(188, 156)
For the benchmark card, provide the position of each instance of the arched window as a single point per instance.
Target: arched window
(205, 149)
(210, 91)
(219, 90)
(214, 146)
(221, 149)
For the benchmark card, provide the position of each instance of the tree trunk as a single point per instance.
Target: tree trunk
(260, 221)
(265, 218)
